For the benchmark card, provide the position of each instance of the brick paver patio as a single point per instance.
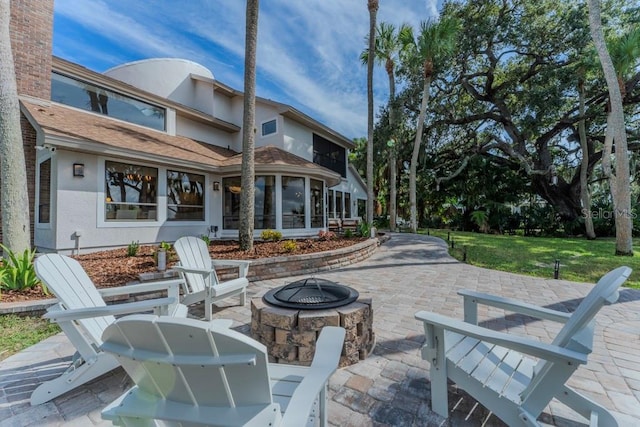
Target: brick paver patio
(391, 387)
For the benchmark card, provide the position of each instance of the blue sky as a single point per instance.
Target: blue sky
(308, 51)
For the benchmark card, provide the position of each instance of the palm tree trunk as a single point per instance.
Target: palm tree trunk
(16, 231)
(414, 156)
(585, 196)
(393, 189)
(621, 188)
(373, 9)
(248, 130)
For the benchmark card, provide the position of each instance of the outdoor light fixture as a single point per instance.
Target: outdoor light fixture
(78, 169)
(216, 186)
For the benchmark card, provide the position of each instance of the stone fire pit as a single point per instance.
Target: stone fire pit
(290, 334)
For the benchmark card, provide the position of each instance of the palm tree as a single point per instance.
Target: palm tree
(373, 10)
(620, 183)
(433, 45)
(247, 182)
(16, 232)
(387, 50)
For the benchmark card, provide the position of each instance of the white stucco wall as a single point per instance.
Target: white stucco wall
(222, 109)
(169, 78)
(201, 132)
(298, 139)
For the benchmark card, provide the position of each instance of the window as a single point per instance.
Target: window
(79, 94)
(347, 205)
(362, 208)
(269, 127)
(317, 203)
(185, 196)
(44, 193)
(293, 195)
(339, 208)
(332, 211)
(131, 192)
(329, 155)
(264, 203)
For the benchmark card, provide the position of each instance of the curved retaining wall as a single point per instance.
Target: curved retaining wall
(261, 269)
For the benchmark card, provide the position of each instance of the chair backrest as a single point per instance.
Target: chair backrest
(577, 333)
(191, 362)
(68, 281)
(194, 253)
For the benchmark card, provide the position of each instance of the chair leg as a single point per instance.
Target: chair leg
(74, 377)
(438, 374)
(596, 413)
(208, 309)
(243, 298)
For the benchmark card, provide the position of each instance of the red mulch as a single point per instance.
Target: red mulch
(115, 268)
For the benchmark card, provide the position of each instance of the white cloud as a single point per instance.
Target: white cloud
(308, 52)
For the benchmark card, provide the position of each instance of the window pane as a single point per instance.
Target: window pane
(347, 205)
(317, 204)
(232, 190)
(265, 203)
(269, 127)
(131, 192)
(44, 193)
(185, 196)
(78, 94)
(339, 208)
(332, 211)
(292, 202)
(329, 155)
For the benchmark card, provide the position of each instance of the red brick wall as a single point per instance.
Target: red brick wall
(31, 31)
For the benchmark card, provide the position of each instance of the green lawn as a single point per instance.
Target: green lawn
(17, 333)
(581, 260)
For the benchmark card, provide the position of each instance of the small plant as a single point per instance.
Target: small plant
(364, 229)
(133, 248)
(271, 235)
(326, 235)
(348, 233)
(166, 246)
(289, 246)
(206, 239)
(17, 271)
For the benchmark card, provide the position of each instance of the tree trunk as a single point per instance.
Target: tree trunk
(247, 198)
(393, 185)
(620, 182)
(414, 156)
(373, 9)
(14, 196)
(585, 195)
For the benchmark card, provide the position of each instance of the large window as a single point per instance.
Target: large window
(264, 203)
(339, 208)
(79, 94)
(44, 193)
(130, 192)
(347, 205)
(293, 194)
(332, 211)
(185, 196)
(329, 155)
(317, 204)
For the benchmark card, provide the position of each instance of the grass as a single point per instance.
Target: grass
(581, 260)
(18, 333)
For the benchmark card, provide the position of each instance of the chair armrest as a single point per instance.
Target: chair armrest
(184, 269)
(472, 299)
(107, 310)
(324, 364)
(171, 286)
(243, 266)
(524, 345)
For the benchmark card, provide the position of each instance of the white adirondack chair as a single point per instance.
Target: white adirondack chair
(188, 372)
(83, 316)
(492, 367)
(200, 279)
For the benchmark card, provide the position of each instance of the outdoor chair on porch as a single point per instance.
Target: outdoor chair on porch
(188, 372)
(201, 282)
(83, 315)
(493, 368)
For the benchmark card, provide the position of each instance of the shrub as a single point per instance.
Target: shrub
(364, 229)
(133, 248)
(289, 246)
(348, 233)
(166, 246)
(326, 235)
(17, 271)
(271, 235)
(206, 239)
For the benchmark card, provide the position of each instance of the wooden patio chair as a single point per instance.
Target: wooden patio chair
(493, 366)
(83, 315)
(188, 372)
(201, 282)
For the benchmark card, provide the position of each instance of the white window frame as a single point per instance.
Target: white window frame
(275, 120)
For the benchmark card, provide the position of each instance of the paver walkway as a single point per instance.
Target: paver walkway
(408, 273)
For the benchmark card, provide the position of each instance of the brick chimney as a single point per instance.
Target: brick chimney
(31, 31)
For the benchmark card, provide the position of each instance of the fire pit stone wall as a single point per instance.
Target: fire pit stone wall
(290, 335)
